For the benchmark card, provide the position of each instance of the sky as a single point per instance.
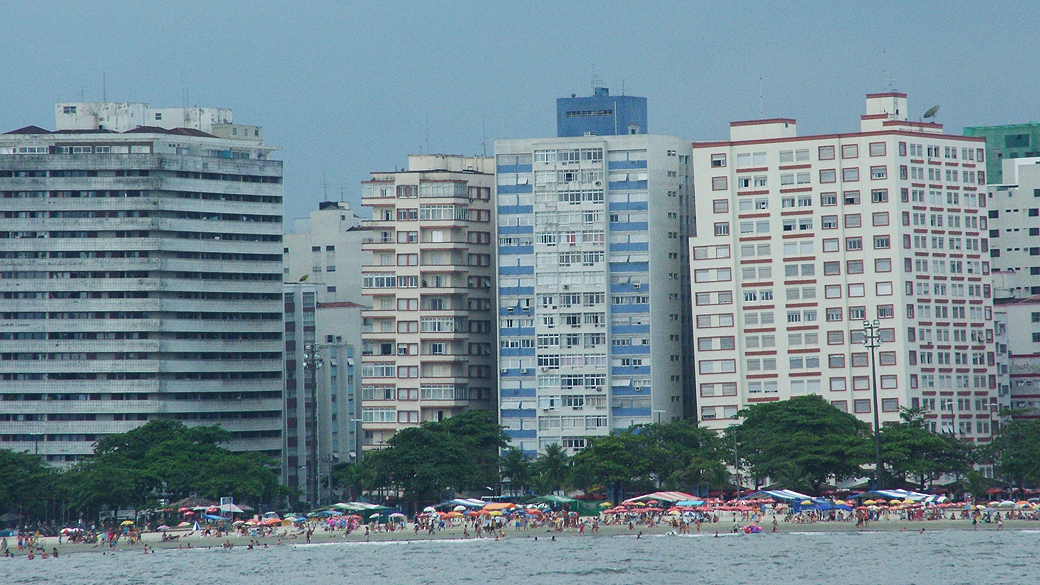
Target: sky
(347, 88)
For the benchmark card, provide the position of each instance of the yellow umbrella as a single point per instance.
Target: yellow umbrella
(127, 522)
(869, 503)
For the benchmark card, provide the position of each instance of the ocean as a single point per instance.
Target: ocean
(946, 557)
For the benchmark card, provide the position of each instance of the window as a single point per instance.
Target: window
(851, 197)
(880, 218)
(854, 267)
(877, 173)
(828, 199)
(879, 195)
(718, 160)
(719, 183)
(857, 290)
(853, 244)
(882, 265)
(889, 405)
(884, 289)
(832, 291)
(836, 338)
(834, 314)
(877, 149)
(826, 153)
(836, 360)
(850, 175)
(722, 229)
(882, 242)
(829, 222)
(861, 406)
(849, 151)
(853, 220)
(720, 206)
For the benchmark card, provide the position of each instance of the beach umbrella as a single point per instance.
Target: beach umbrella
(127, 522)
(459, 509)
(163, 528)
(605, 505)
(183, 524)
(376, 515)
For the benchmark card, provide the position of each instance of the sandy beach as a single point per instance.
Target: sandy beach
(291, 536)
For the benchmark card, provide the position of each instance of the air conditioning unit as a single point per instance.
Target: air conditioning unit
(545, 368)
(566, 287)
(523, 370)
(636, 285)
(509, 309)
(505, 370)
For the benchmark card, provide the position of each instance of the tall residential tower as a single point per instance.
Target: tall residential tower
(802, 239)
(140, 278)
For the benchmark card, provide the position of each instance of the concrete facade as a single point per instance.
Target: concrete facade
(428, 354)
(1006, 142)
(801, 239)
(141, 279)
(326, 248)
(591, 267)
(1014, 230)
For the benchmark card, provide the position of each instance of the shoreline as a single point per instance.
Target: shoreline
(320, 537)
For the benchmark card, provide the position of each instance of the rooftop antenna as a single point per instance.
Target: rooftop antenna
(104, 87)
(325, 184)
(622, 87)
(483, 131)
(427, 132)
(596, 81)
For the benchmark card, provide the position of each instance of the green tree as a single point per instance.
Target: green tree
(515, 468)
(804, 440)
(915, 455)
(551, 469)
(26, 483)
(1015, 451)
(131, 469)
(459, 453)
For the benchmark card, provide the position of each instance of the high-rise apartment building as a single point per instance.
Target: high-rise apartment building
(1014, 230)
(323, 260)
(802, 239)
(140, 279)
(591, 260)
(429, 352)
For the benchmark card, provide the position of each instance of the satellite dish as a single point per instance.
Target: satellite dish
(931, 112)
(304, 277)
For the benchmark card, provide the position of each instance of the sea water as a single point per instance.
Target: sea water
(951, 557)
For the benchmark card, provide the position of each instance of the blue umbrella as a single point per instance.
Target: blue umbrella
(212, 517)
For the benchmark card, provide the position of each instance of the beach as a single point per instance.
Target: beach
(293, 536)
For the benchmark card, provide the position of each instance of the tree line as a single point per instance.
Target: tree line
(134, 470)
(803, 443)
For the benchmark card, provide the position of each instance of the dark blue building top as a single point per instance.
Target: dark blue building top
(600, 115)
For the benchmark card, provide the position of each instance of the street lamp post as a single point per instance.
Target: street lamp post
(872, 340)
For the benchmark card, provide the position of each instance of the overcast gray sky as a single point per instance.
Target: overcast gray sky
(346, 88)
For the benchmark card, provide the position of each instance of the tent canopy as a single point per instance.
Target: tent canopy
(783, 495)
(669, 497)
(357, 507)
(471, 503)
(900, 495)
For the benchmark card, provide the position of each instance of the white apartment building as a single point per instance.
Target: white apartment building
(326, 248)
(591, 266)
(1022, 354)
(1014, 230)
(429, 352)
(801, 239)
(140, 279)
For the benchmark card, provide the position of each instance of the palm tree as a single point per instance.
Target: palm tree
(515, 467)
(552, 468)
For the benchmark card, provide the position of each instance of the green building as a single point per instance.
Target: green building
(1008, 141)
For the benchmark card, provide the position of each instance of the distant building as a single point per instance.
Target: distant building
(429, 352)
(1006, 142)
(1023, 354)
(1014, 230)
(326, 248)
(140, 279)
(600, 115)
(591, 275)
(800, 240)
